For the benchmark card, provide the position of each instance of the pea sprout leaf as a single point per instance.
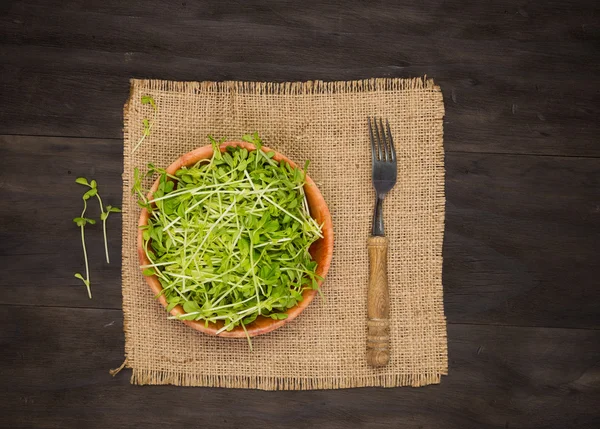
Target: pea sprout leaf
(89, 194)
(147, 99)
(279, 316)
(147, 126)
(82, 221)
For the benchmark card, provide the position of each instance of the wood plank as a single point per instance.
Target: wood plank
(39, 243)
(516, 78)
(56, 363)
(521, 232)
(522, 235)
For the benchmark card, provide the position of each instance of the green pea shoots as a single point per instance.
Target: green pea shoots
(146, 100)
(82, 221)
(229, 237)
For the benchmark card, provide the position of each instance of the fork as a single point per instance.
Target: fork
(384, 178)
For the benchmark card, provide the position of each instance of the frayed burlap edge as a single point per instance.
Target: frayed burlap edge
(311, 87)
(157, 377)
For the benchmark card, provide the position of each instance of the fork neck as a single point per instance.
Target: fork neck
(378, 216)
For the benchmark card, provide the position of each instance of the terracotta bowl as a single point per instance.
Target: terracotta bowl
(321, 251)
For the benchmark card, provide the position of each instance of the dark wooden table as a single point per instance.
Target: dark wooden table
(521, 83)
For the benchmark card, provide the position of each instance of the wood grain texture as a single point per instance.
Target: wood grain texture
(517, 78)
(499, 377)
(378, 303)
(39, 243)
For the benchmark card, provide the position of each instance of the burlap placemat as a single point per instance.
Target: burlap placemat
(325, 122)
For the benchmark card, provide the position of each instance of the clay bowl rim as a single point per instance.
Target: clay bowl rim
(261, 325)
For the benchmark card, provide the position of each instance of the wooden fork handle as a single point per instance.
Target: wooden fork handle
(378, 337)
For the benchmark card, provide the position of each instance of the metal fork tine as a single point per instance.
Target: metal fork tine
(384, 170)
(373, 149)
(379, 142)
(391, 141)
(384, 141)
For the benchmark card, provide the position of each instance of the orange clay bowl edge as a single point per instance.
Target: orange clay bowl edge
(321, 251)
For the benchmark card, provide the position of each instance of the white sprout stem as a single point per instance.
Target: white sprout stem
(192, 207)
(103, 227)
(146, 132)
(282, 209)
(210, 231)
(160, 264)
(281, 240)
(184, 191)
(87, 270)
(259, 199)
(85, 258)
(235, 285)
(231, 305)
(242, 193)
(254, 271)
(242, 314)
(105, 240)
(171, 223)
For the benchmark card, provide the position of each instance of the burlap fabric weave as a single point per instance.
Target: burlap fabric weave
(326, 122)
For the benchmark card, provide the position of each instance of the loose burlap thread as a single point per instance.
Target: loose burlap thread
(326, 122)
